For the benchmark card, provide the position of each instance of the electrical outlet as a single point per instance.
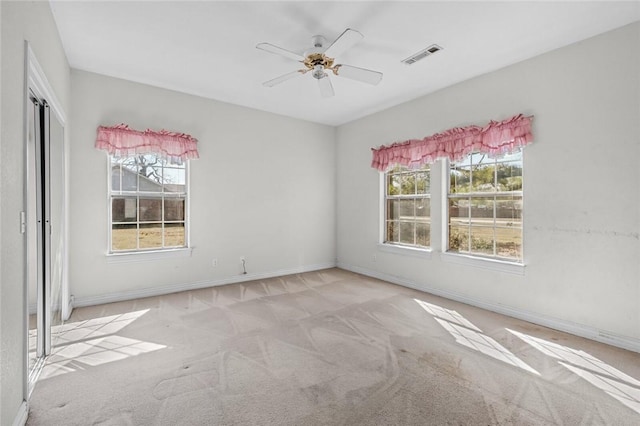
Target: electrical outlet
(374, 258)
(214, 262)
(241, 259)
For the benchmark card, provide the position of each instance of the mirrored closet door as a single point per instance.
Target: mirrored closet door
(44, 228)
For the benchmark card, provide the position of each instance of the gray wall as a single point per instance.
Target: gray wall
(263, 188)
(581, 180)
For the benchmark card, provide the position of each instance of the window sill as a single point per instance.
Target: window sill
(405, 250)
(143, 256)
(480, 262)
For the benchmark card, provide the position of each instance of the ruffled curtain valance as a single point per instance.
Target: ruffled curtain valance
(121, 141)
(495, 139)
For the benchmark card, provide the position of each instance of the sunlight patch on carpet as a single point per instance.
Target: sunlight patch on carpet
(614, 382)
(85, 344)
(467, 334)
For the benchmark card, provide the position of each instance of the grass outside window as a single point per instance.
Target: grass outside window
(485, 206)
(148, 204)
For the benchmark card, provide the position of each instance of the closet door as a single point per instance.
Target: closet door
(34, 234)
(39, 234)
(45, 192)
(43, 220)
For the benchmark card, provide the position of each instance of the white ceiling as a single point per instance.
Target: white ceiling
(207, 48)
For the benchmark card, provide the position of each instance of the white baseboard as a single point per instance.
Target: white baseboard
(21, 416)
(581, 330)
(79, 302)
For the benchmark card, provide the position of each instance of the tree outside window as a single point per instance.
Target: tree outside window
(408, 207)
(148, 203)
(485, 206)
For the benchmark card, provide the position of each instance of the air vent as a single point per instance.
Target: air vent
(422, 54)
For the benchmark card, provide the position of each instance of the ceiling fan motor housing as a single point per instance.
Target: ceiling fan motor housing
(312, 60)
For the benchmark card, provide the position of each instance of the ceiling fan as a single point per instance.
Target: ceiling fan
(319, 59)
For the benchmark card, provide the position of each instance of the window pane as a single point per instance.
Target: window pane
(116, 175)
(460, 180)
(393, 232)
(128, 178)
(149, 172)
(482, 240)
(423, 183)
(117, 209)
(423, 208)
(509, 243)
(152, 182)
(408, 184)
(393, 209)
(124, 177)
(458, 211)
(423, 234)
(459, 238)
(123, 210)
(124, 174)
(509, 211)
(477, 159)
(482, 211)
(150, 209)
(483, 178)
(174, 209)
(393, 184)
(150, 235)
(124, 237)
(174, 180)
(407, 232)
(408, 215)
(407, 209)
(510, 176)
(174, 235)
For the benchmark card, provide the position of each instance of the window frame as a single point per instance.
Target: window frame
(399, 247)
(496, 262)
(151, 253)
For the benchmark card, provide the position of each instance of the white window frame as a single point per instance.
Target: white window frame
(150, 253)
(397, 247)
(474, 259)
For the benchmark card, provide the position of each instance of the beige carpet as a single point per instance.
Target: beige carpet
(324, 348)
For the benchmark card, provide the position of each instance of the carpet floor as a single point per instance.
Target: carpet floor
(325, 348)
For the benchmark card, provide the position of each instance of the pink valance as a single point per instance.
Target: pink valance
(495, 139)
(121, 141)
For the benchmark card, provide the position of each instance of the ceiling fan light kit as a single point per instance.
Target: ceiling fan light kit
(319, 60)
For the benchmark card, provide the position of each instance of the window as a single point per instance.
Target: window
(148, 202)
(408, 207)
(485, 206)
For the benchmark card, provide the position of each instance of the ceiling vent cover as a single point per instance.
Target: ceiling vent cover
(422, 54)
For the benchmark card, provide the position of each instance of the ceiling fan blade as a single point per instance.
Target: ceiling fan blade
(345, 41)
(359, 74)
(326, 88)
(282, 78)
(268, 47)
